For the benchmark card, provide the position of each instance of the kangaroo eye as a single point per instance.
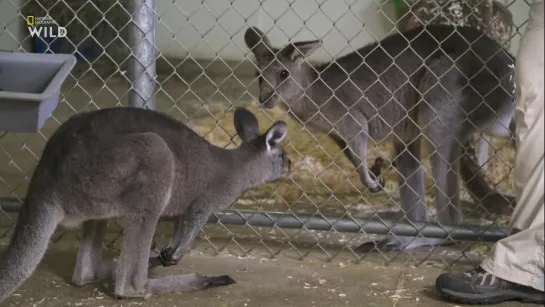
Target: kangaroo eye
(284, 74)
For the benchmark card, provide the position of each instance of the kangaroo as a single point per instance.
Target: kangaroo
(134, 165)
(429, 81)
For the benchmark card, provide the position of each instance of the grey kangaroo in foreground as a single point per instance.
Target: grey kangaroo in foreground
(430, 81)
(134, 165)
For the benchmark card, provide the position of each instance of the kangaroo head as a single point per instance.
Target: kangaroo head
(283, 73)
(262, 155)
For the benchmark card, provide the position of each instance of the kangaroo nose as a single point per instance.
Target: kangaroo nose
(264, 97)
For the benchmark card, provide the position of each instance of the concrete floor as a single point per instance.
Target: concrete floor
(272, 267)
(261, 281)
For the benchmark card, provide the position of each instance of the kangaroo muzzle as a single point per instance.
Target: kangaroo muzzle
(267, 100)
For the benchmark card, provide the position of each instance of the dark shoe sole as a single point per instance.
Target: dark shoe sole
(491, 298)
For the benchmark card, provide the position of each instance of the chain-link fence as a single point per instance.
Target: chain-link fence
(189, 60)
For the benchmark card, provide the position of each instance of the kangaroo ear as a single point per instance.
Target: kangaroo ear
(257, 42)
(276, 133)
(298, 51)
(246, 124)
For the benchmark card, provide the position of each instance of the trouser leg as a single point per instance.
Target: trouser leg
(519, 258)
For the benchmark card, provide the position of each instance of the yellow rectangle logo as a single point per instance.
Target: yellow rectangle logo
(30, 21)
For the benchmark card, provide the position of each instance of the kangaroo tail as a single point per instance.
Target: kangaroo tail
(35, 227)
(489, 198)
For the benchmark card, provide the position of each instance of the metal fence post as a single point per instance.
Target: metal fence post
(141, 70)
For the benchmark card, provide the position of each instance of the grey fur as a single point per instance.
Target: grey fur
(504, 127)
(134, 165)
(417, 87)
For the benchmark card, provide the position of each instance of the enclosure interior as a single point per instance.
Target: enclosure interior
(204, 70)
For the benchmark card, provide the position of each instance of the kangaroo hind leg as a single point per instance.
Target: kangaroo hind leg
(89, 265)
(413, 202)
(141, 205)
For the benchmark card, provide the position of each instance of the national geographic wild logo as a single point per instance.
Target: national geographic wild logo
(44, 27)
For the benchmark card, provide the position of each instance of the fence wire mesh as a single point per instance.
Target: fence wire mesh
(204, 70)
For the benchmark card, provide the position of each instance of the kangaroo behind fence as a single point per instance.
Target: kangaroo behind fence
(440, 82)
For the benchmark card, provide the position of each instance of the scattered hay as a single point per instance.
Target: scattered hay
(322, 177)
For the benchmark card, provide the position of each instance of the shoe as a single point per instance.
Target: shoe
(477, 287)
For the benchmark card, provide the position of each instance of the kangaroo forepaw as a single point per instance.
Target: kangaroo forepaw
(376, 186)
(165, 259)
(398, 243)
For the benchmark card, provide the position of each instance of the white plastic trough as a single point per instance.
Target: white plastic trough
(30, 85)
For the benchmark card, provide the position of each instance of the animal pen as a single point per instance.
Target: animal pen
(188, 59)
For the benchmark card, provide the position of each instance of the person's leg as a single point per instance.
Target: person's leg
(514, 269)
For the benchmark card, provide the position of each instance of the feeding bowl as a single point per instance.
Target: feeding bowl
(30, 85)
